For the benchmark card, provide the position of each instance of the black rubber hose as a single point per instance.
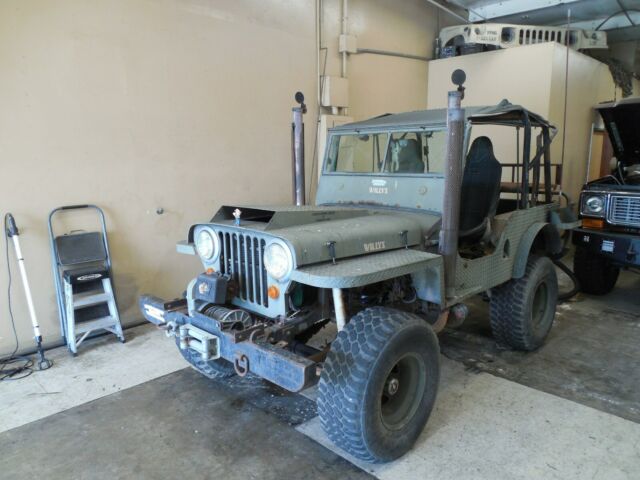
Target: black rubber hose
(563, 297)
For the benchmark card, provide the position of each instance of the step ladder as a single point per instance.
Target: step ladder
(81, 266)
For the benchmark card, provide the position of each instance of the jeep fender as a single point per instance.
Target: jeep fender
(552, 245)
(425, 268)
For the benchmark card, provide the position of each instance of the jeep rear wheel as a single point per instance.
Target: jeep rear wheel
(379, 384)
(523, 309)
(214, 369)
(595, 273)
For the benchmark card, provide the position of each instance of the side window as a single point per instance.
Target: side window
(434, 150)
(357, 153)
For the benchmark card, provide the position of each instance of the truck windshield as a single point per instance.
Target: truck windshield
(416, 152)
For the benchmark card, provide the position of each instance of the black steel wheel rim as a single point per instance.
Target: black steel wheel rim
(540, 304)
(402, 391)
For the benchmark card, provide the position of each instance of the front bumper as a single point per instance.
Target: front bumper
(622, 248)
(244, 349)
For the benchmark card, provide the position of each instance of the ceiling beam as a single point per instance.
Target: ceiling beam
(615, 22)
(513, 7)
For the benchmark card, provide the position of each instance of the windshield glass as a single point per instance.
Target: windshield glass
(357, 153)
(416, 152)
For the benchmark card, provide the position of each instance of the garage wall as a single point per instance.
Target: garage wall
(382, 84)
(590, 83)
(174, 104)
(135, 105)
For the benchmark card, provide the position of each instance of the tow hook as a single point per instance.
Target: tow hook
(241, 364)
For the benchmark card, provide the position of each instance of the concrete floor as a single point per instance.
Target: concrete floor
(569, 410)
(103, 367)
(591, 355)
(177, 426)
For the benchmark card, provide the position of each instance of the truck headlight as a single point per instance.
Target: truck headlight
(278, 260)
(593, 205)
(207, 244)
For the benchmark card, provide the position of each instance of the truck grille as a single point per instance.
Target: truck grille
(241, 257)
(625, 211)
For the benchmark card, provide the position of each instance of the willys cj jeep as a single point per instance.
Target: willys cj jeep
(405, 229)
(609, 238)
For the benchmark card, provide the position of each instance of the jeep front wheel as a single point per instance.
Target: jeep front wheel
(596, 274)
(523, 309)
(379, 384)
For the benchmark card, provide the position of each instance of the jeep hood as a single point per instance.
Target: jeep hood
(622, 121)
(318, 233)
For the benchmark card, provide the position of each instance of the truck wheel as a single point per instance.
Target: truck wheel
(379, 384)
(214, 369)
(595, 273)
(523, 309)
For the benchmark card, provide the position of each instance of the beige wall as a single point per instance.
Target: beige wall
(597, 145)
(381, 84)
(135, 105)
(179, 104)
(534, 76)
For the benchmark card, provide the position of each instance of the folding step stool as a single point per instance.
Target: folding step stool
(82, 273)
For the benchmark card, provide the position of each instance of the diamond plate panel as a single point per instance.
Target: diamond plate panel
(367, 269)
(477, 275)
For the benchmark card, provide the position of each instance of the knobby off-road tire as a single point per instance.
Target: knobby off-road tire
(214, 369)
(379, 384)
(595, 273)
(523, 309)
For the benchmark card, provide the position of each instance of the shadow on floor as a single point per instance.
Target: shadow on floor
(591, 355)
(181, 425)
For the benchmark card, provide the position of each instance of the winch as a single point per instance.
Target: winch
(230, 319)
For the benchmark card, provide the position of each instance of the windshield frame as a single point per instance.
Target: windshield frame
(377, 131)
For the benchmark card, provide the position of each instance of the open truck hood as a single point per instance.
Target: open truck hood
(622, 121)
(316, 233)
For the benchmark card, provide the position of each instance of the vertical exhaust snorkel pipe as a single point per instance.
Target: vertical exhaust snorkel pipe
(448, 246)
(13, 233)
(297, 148)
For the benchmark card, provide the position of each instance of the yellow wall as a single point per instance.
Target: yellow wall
(179, 104)
(597, 145)
(534, 76)
(381, 84)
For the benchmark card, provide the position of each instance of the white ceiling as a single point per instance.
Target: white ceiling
(623, 24)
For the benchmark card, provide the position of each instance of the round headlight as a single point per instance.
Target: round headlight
(594, 205)
(207, 244)
(278, 260)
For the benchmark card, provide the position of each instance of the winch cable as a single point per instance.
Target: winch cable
(563, 297)
(13, 367)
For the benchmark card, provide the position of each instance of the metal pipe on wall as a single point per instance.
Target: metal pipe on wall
(387, 53)
(566, 92)
(345, 31)
(450, 12)
(318, 50)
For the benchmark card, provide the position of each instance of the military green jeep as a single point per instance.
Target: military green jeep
(406, 228)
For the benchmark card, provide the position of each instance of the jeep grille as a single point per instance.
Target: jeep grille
(625, 211)
(241, 257)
